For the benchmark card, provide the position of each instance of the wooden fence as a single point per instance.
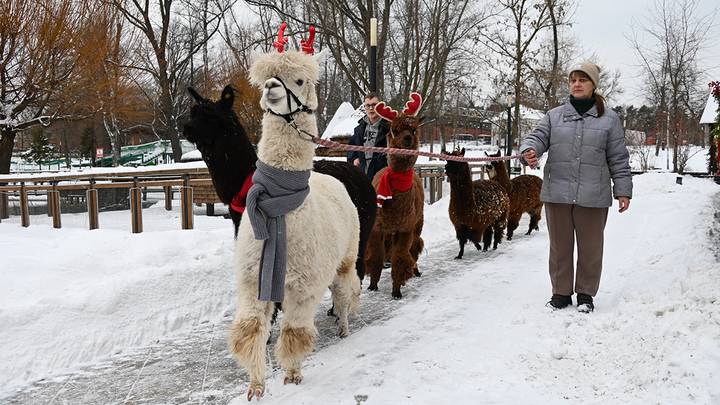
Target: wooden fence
(187, 180)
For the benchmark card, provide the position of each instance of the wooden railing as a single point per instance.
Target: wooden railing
(182, 179)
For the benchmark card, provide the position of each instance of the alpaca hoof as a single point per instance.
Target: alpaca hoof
(458, 257)
(343, 332)
(372, 287)
(397, 294)
(256, 390)
(331, 311)
(293, 376)
(528, 232)
(509, 237)
(417, 273)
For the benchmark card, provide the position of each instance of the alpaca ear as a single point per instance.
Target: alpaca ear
(228, 97)
(195, 95)
(320, 57)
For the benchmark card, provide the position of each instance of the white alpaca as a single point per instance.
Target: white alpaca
(322, 234)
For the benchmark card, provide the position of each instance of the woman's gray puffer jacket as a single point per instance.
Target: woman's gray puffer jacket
(584, 153)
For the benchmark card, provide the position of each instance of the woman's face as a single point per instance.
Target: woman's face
(580, 85)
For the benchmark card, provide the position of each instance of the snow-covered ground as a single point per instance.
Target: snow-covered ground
(70, 297)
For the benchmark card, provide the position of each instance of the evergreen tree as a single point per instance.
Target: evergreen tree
(40, 148)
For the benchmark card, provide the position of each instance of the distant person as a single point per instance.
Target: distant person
(371, 131)
(586, 148)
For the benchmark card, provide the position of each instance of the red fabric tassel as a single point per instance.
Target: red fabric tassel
(393, 182)
(238, 202)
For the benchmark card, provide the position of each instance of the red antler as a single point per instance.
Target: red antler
(307, 45)
(281, 40)
(385, 111)
(413, 105)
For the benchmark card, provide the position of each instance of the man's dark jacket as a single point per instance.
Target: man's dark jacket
(378, 160)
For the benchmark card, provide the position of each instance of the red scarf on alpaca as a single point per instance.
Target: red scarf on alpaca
(238, 202)
(393, 182)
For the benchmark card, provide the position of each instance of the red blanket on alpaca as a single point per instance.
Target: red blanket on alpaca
(238, 202)
(393, 182)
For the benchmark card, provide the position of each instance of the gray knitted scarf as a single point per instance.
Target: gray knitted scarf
(274, 193)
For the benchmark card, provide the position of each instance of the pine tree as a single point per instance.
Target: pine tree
(40, 148)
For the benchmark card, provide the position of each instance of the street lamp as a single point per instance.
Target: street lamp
(508, 135)
(373, 55)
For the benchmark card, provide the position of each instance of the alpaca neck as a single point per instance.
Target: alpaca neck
(283, 147)
(503, 178)
(401, 163)
(230, 168)
(461, 190)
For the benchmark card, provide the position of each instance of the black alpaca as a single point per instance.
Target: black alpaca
(230, 157)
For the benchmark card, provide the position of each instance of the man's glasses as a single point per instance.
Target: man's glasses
(370, 106)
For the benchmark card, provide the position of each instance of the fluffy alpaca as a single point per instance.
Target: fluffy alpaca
(400, 220)
(524, 192)
(478, 209)
(230, 157)
(322, 233)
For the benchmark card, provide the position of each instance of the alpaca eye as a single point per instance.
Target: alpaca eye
(299, 82)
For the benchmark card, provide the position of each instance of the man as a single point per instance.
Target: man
(371, 131)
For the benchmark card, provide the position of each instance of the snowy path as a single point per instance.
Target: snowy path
(198, 369)
(476, 331)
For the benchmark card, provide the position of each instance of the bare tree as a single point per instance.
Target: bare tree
(168, 51)
(37, 60)
(513, 40)
(670, 64)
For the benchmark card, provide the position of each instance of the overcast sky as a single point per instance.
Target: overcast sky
(601, 27)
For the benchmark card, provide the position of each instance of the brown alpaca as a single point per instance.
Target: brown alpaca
(400, 219)
(478, 209)
(524, 194)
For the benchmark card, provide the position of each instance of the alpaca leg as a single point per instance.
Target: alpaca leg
(297, 332)
(476, 236)
(345, 295)
(461, 242)
(374, 258)
(248, 338)
(487, 238)
(498, 229)
(402, 262)
(461, 235)
(534, 220)
(513, 223)
(417, 247)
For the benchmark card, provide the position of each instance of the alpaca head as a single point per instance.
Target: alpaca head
(213, 125)
(287, 78)
(455, 169)
(494, 167)
(404, 128)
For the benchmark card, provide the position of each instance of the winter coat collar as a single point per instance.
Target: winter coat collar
(571, 114)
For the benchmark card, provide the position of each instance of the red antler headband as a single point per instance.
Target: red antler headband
(385, 111)
(281, 40)
(307, 45)
(412, 106)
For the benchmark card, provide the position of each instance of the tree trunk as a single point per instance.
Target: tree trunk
(7, 143)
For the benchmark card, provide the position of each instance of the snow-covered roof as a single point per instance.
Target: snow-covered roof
(530, 113)
(191, 156)
(344, 121)
(709, 115)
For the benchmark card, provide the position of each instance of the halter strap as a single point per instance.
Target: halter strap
(288, 93)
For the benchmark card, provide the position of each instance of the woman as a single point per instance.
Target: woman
(585, 143)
